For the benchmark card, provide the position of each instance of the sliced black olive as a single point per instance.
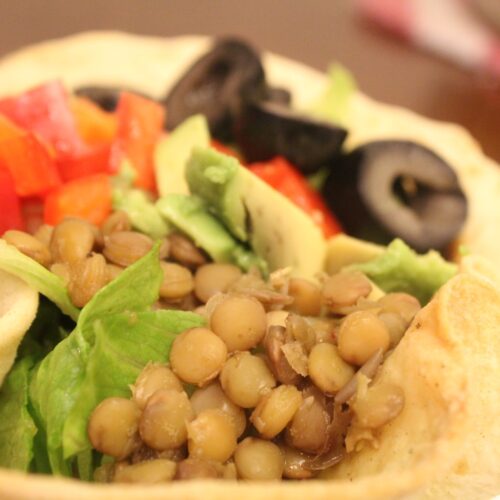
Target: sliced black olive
(216, 85)
(266, 129)
(278, 95)
(105, 97)
(389, 189)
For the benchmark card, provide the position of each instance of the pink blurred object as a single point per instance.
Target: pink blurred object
(449, 28)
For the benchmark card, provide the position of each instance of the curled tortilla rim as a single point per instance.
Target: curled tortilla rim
(445, 313)
(18, 307)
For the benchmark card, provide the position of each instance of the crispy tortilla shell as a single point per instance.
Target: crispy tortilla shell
(446, 442)
(18, 307)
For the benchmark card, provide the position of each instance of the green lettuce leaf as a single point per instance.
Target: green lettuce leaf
(399, 268)
(41, 279)
(17, 428)
(47, 330)
(57, 380)
(333, 104)
(124, 344)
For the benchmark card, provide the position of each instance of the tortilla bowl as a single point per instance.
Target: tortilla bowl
(445, 443)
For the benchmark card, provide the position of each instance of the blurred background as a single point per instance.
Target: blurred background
(440, 58)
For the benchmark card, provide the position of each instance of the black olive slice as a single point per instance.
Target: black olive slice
(266, 129)
(216, 85)
(105, 97)
(279, 95)
(389, 189)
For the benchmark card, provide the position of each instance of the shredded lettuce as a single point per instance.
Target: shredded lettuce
(333, 104)
(56, 383)
(41, 279)
(116, 360)
(399, 268)
(17, 428)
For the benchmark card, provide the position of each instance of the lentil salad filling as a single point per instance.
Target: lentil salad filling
(274, 384)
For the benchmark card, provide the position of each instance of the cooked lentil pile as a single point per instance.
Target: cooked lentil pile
(276, 385)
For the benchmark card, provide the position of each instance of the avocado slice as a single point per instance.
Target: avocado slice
(173, 151)
(141, 210)
(278, 231)
(343, 250)
(190, 214)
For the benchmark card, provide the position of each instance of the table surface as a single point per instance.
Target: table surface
(315, 32)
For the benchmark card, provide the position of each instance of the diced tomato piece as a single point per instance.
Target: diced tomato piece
(28, 160)
(140, 123)
(87, 197)
(93, 161)
(45, 111)
(10, 206)
(32, 212)
(286, 179)
(227, 150)
(94, 125)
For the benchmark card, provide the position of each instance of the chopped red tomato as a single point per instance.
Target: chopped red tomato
(92, 161)
(140, 123)
(222, 148)
(87, 197)
(32, 212)
(286, 179)
(95, 126)
(45, 111)
(10, 206)
(28, 160)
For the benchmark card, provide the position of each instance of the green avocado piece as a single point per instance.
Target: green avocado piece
(215, 178)
(173, 151)
(278, 231)
(142, 212)
(400, 269)
(190, 214)
(343, 250)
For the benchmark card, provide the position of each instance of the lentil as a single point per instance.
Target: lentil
(86, 278)
(306, 297)
(197, 356)
(153, 378)
(239, 321)
(258, 459)
(361, 334)
(150, 472)
(72, 240)
(327, 369)
(212, 396)
(113, 427)
(163, 422)
(210, 279)
(245, 378)
(126, 247)
(29, 245)
(177, 281)
(345, 289)
(184, 251)
(211, 436)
